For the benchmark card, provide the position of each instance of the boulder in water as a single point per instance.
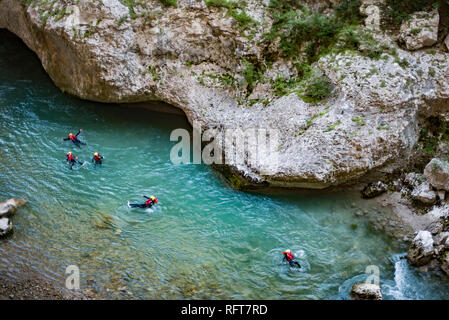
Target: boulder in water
(366, 291)
(437, 173)
(374, 189)
(421, 249)
(5, 227)
(9, 207)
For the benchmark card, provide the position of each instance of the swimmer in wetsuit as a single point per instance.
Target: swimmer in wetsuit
(148, 204)
(74, 138)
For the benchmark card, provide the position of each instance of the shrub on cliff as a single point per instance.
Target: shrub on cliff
(396, 11)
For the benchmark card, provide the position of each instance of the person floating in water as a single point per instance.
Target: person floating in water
(97, 158)
(148, 204)
(290, 258)
(71, 160)
(74, 139)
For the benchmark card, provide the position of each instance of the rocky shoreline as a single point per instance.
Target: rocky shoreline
(20, 281)
(420, 202)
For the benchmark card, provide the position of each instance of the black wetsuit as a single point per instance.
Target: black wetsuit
(72, 161)
(98, 160)
(292, 262)
(75, 140)
(147, 204)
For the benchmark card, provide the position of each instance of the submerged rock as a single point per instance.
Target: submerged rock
(10, 206)
(421, 249)
(104, 221)
(5, 227)
(424, 193)
(366, 291)
(374, 189)
(437, 173)
(421, 30)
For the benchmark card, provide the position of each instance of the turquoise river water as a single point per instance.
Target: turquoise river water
(203, 240)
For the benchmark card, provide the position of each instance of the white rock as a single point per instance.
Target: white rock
(10, 206)
(437, 173)
(438, 212)
(421, 249)
(424, 193)
(5, 227)
(421, 30)
(366, 291)
(414, 179)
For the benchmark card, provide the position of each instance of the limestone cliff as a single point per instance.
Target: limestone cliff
(228, 65)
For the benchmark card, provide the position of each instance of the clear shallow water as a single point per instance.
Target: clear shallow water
(203, 239)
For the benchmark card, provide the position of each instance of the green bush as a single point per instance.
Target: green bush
(169, 3)
(298, 27)
(251, 74)
(315, 88)
(236, 10)
(399, 10)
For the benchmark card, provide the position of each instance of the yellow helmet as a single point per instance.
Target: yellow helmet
(288, 250)
(70, 134)
(152, 198)
(70, 152)
(96, 154)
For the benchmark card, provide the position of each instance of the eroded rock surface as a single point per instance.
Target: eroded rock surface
(437, 173)
(366, 291)
(424, 193)
(10, 206)
(5, 227)
(188, 55)
(421, 30)
(421, 250)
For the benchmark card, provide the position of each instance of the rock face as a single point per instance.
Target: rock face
(5, 227)
(413, 179)
(366, 291)
(437, 173)
(421, 250)
(374, 189)
(421, 30)
(185, 55)
(9, 207)
(424, 193)
(445, 262)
